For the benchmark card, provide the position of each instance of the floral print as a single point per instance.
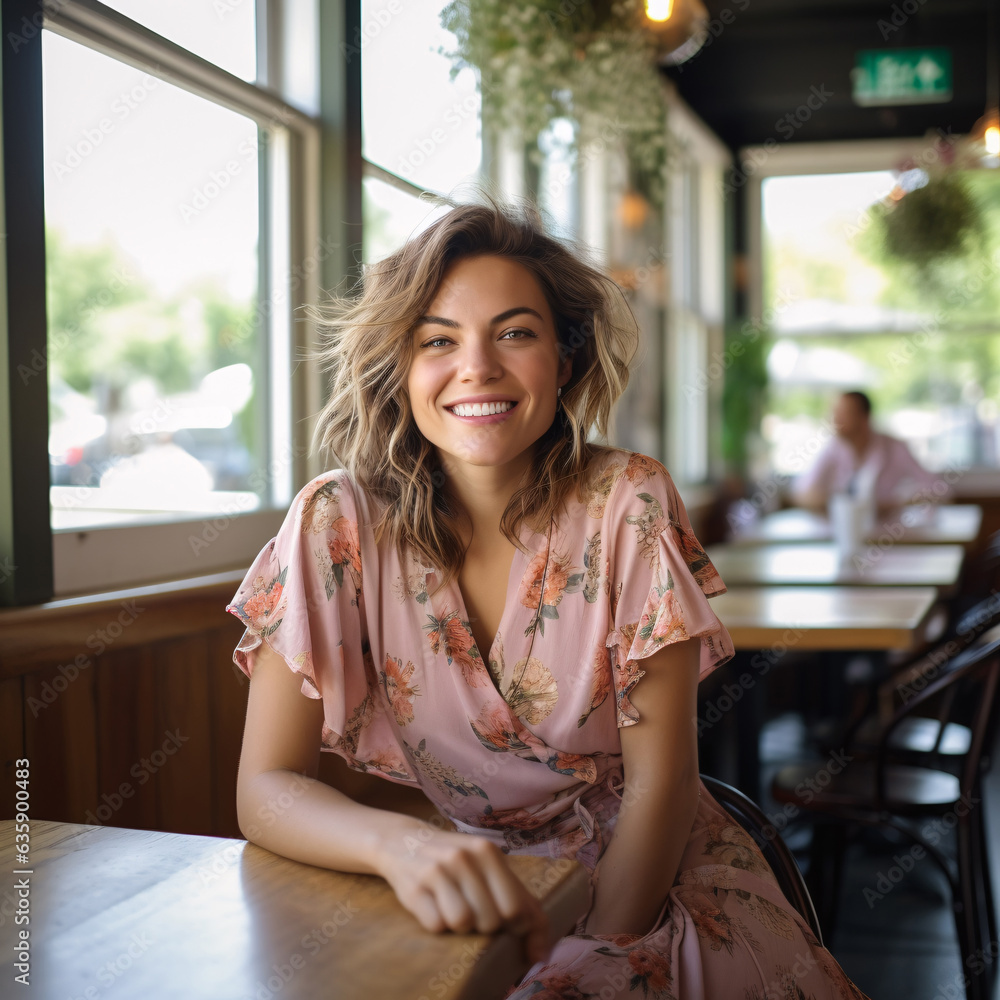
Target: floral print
(531, 691)
(263, 603)
(396, 682)
(320, 505)
(600, 683)
(661, 622)
(454, 637)
(650, 972)
(520, 743)
(445, 777)
(649, 526)
(548, 579)
(593, 584)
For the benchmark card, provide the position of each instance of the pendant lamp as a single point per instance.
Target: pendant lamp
(680, 27)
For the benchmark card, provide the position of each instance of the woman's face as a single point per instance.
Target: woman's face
(486, 367)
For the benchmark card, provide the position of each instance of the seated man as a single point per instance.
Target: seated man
(860, 460)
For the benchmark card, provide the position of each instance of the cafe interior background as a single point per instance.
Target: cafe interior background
(799, 196)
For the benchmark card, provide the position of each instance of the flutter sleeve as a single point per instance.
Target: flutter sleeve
(303, 598)
(660, 579)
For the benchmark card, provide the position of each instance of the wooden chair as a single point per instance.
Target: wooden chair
(749, 815)
(880, 791)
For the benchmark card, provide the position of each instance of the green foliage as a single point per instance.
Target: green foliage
(108, 327)
(928, 225)
(743, 397)
(589, 62)
(84, 284)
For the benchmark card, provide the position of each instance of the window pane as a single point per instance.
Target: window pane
(815, 276)
(155, 374)
(846, 318)
(417, 122)
(391, 217)
(221, 31)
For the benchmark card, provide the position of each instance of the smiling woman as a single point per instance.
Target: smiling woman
(465, 607)
(449, 320)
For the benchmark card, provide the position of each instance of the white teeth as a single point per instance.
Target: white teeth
(480, 409)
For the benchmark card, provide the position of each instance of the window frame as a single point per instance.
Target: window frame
(35, 561)
(696, 313)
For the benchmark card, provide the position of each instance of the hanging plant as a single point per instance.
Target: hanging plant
(928, 219)
(593, 63)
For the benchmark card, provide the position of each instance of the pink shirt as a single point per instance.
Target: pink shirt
(897, 476)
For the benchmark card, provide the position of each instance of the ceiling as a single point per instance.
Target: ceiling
(772, 55)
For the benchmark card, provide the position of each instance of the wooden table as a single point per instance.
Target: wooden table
(822, 565)
(945, 524)
(133, 913)
(822, 618)
(767, 622)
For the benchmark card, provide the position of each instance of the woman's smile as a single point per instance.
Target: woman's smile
(482, 410)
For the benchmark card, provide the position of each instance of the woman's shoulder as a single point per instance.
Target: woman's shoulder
(618, 478)
(331, 499)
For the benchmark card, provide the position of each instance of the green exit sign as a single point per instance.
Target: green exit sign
(902, 76)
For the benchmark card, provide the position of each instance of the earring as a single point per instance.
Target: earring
(558, 392)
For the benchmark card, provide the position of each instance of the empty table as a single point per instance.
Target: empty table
(947, 524)
(822, 565)
(824, 618)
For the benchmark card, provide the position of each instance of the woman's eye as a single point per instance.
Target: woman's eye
(517, 333)
(437, 342)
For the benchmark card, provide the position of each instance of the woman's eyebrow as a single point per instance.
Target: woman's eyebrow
(505, 315)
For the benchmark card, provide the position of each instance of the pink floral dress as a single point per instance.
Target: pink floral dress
(522, 745)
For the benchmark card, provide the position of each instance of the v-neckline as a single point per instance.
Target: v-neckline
(514, 576)
(518, 567)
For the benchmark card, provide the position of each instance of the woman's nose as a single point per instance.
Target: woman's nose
(479, 362)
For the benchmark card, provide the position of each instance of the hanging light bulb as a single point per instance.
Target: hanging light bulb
(984, 139)
(659, 10)
(680, 27)
(991, 136)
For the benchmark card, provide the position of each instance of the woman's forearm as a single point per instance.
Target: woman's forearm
(306, 820)
(640, 864)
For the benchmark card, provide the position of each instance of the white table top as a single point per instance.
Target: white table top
(822, 565)
(954, 524)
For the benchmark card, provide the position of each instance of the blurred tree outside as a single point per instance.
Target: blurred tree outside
(128, 350)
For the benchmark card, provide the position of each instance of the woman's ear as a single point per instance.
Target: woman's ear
(566, 368)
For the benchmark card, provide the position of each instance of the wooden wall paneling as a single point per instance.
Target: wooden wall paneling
(178, 767)
(11, 739)
(230, 688)
(126, 732)
(61, 741)
(41, 634)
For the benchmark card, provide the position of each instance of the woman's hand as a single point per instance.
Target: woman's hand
(461, 882)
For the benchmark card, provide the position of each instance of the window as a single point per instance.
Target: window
(155, 356)
(840, 319)
(420, 127)
(180, 220)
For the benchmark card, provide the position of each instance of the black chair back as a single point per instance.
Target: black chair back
(970, 677)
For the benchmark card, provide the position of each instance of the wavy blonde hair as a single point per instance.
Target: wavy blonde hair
(367, 424)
